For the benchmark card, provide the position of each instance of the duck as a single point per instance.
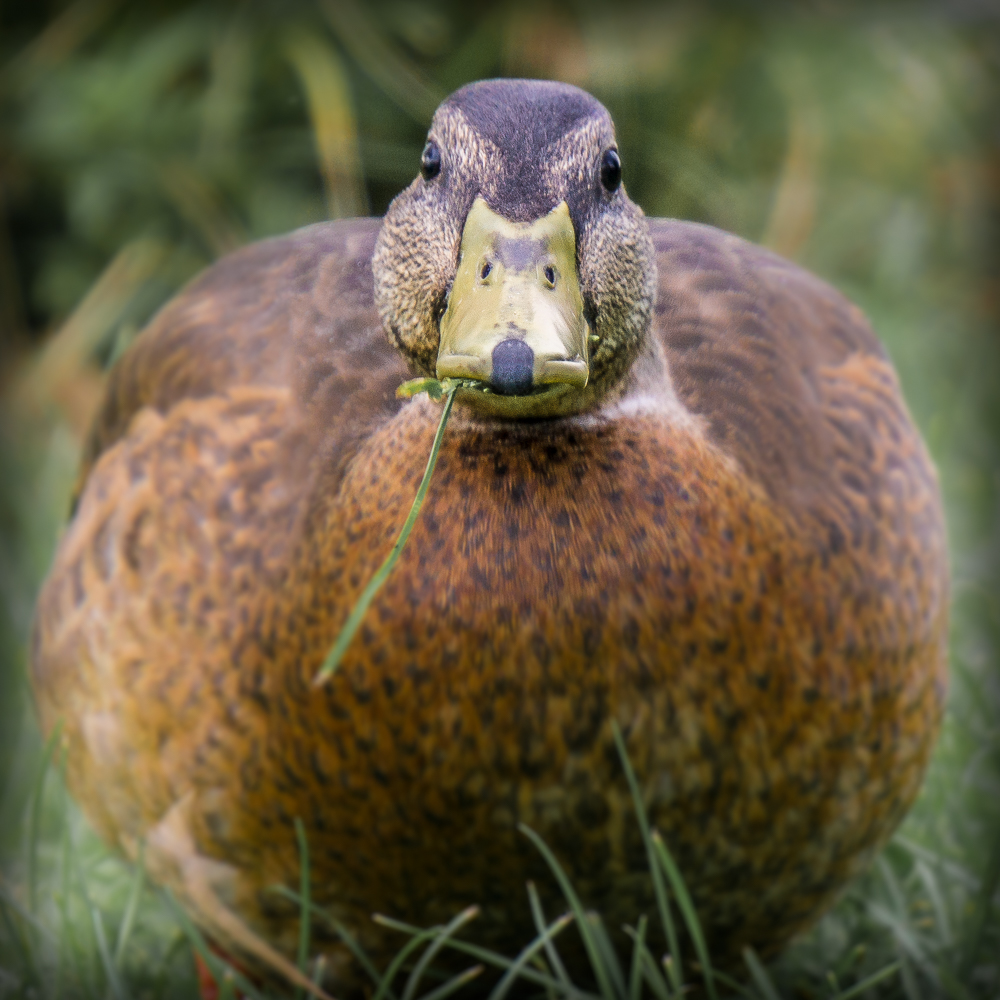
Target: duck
(680, 494)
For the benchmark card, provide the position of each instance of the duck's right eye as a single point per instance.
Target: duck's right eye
(611, 170)
(430, 161)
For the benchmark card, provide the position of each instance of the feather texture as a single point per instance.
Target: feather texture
(740, 557)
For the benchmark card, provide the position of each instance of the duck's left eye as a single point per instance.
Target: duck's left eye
(430, 161)
(611, 170)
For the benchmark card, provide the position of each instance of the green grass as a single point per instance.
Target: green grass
(437, 391)
(82, 945)
(139, 142)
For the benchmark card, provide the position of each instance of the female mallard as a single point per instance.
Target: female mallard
(681, 492)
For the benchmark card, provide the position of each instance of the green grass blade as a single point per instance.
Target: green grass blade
(910, 985)
(676, 970)
(318, 969)
(216, 966)
(8, 910)
(398, 76)
(493, 958)
(24, 915)
(85, 968)
(539, 963)
(35, 816)
(950, 985)
(439, 941)
(734, 984)
(227, 988)
(304, 905)
(759, 975)
(608, 954)
(635, 972)
(982, 907)
(342, 932)
(589, 943)
(527, 954)
(687, 910)
(866, 984)
(550, 949)
(111, 976)
(419, 937)
(356, 950)
(415, 386)
(929, 880)
(651, 972)
(362, 604)
(131, 908)
(955, 871)
(893, 887)
(66, 943)
(454, 984)
(906, 939)
(161, 973)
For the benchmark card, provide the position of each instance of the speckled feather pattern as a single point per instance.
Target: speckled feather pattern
(742, 561)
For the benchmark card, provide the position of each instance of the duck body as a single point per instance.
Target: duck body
(736, 552)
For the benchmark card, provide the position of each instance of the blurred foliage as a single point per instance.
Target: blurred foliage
(138, 142)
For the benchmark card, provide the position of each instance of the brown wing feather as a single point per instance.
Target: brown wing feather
(749, 336)
(294, 311)
(259, 381)
(790, 381)
(244, 399)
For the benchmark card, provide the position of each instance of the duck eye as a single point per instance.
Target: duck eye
(611, 170)
(484, 272)
(430, 161)
(550, 275)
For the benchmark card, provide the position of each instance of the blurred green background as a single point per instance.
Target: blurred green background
(138, 142)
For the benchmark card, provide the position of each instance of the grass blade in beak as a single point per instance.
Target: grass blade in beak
(436, 390)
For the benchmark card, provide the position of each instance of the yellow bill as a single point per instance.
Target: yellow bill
(515, 319)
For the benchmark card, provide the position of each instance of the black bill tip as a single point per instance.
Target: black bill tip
(513, 368)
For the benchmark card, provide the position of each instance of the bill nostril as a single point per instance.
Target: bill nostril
(513, 368)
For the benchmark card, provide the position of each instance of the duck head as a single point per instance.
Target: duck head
(515, 260)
